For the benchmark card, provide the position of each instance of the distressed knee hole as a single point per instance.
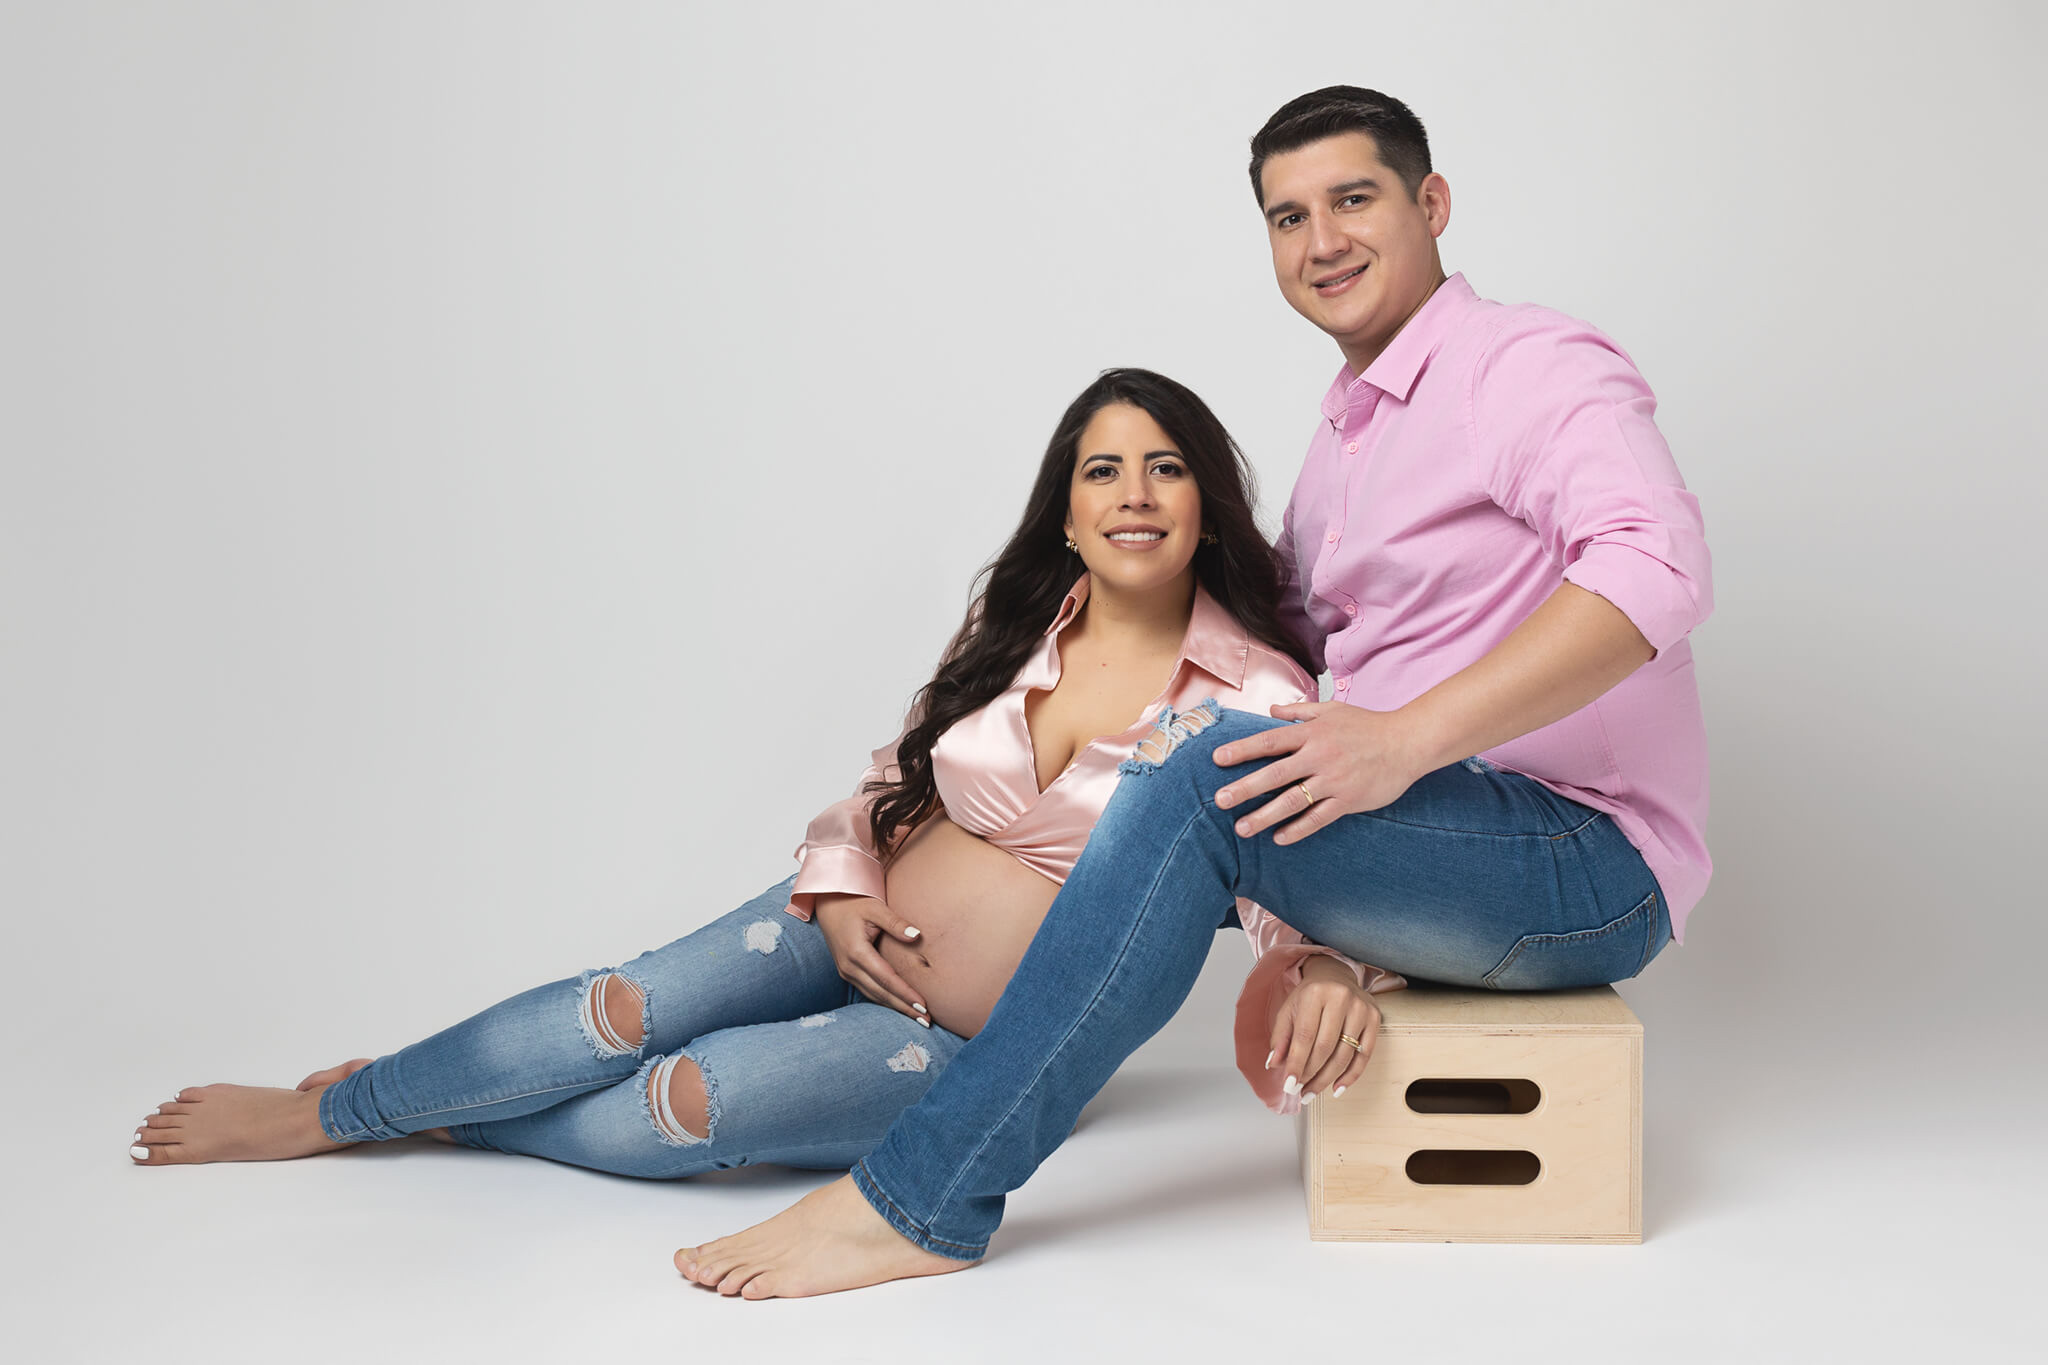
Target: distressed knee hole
(762, 936)
(613, 1013)
(678, 1101)
(1173, 731)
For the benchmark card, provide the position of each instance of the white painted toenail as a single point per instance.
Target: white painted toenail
(139, 1153)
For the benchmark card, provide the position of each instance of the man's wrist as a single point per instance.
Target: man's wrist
(1431, 742)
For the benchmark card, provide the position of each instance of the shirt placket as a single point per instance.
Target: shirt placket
(1352, 441)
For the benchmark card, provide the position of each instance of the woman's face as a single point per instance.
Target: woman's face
(1133, 507)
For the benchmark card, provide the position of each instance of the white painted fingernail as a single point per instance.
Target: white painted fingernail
(1308, 1097)
(1338, 1093)
(910, 931)
(1270, 1056)
(139, 1153)
(919, 1008)
(1292, 1087)
(926, 1022)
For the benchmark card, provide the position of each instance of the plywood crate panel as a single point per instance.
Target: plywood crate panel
(1574, 1059)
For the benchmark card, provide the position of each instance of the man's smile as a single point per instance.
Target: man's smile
(1336, 284)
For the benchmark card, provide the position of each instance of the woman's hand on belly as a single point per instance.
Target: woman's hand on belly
(977, 908)
(851, 925)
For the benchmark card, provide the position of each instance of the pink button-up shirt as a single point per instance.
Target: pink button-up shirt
(1489, 454)
(987, 776)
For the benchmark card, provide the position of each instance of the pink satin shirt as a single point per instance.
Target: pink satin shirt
(987, 777)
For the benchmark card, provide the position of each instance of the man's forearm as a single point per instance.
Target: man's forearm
(1572, 649)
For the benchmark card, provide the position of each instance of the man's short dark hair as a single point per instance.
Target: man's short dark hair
(1392, 125)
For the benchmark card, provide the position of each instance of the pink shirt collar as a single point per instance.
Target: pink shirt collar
(1398, 367)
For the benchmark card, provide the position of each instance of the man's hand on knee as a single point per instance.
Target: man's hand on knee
(1336, 760)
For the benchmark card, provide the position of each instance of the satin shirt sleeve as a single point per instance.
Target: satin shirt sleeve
(1278, 949)
(838, 854)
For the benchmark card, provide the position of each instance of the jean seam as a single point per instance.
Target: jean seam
(922, 1230)
(1577, 829)
(1649, 939)
(1053, 1053)
(455, 1109)
(1614, 926)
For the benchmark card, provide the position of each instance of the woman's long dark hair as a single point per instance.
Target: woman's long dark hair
(1025, 585)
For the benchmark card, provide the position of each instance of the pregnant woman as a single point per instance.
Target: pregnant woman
(1135, 596)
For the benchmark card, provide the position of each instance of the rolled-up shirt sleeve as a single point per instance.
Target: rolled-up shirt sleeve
(1565, 438)
(838, 855)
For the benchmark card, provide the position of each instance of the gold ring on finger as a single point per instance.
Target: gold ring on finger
(1305, 792)
(1353, 1042)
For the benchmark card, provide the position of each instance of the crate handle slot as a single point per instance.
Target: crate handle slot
(1445, 1095)
(1440, 1166)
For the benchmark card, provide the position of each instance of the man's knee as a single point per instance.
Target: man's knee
(678, 1102)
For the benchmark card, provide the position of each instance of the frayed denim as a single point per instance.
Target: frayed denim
(798, 1069)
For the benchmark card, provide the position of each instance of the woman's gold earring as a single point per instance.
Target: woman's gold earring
(1073, 545)
(1209, 539)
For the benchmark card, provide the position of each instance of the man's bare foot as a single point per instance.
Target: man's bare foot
(829, 1240)
(233, 1123)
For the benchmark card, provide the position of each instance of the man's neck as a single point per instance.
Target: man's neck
(1360, 358)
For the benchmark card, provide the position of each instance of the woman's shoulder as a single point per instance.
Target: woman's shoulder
(1273, 678)
(1253, 674)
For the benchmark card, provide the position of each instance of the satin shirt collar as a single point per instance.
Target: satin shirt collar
(1214, 643)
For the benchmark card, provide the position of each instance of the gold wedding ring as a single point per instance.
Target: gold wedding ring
(1305, 792)
(1355, 1044)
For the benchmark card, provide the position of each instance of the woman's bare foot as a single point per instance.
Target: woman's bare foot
(825, 1242)
(321, 1079)
(233, 1123)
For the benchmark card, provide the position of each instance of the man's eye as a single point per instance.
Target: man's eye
(1355, 200)
(1288, 220)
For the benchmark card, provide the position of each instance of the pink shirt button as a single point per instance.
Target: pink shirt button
(1332, 537)
(1343, 684)
(1351, 609)
(1351, 447)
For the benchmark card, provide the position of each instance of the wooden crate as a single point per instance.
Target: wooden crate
(1573, 1060)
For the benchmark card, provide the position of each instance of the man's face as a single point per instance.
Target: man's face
(1352, 251)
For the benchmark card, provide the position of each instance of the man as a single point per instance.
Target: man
(1492, 550)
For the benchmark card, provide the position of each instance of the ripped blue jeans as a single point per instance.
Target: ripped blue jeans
(1476, 876)
(798, 1068)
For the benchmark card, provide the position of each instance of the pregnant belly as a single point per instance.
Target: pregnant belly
(976, 908)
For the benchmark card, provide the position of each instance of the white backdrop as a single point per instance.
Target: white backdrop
(478, 477)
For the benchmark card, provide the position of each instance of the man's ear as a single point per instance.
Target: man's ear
(1434, 195)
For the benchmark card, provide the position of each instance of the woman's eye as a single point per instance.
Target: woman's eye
(1096, 471)
(1170, 468)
